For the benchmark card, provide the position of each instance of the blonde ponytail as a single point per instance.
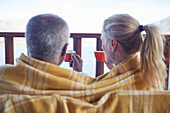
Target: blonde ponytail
(126, 30)
(152, 58)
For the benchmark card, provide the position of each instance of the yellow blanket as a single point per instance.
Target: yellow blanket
(34, 86)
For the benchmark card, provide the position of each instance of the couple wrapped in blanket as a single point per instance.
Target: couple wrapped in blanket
(35, 85)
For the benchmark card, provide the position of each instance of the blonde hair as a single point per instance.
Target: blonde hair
(125, 30)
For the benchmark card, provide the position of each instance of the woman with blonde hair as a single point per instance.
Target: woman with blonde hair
(122, 40)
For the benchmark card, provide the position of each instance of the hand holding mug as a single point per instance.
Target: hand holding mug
(76, 62)
(68, 55)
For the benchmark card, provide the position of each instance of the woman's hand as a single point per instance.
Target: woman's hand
(76, 62)
(110, 65)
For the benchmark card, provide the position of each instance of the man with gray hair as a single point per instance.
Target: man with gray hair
(38, 73)
(47, 38)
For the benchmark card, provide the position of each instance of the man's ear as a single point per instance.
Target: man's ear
(113, 44)
(63, 52)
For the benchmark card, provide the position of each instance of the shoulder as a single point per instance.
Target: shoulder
(3, 68)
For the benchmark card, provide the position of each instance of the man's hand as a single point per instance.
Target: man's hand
(110, 65)
(76, 62)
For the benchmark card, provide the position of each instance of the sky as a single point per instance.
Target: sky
(86, 16)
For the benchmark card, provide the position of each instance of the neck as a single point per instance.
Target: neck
(45, 60)
(120, 58)
(119, 55)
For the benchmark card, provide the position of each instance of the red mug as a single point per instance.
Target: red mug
(68, 55)
(100, 56)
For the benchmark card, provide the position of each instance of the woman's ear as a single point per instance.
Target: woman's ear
(113, 44)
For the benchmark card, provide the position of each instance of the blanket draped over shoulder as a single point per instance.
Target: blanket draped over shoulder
(34, 86)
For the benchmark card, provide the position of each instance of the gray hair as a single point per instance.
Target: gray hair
(46, 35)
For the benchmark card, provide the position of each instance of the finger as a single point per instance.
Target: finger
(106, 62)
(71, 60)
(79, 59)
(73, 57)
(71, 63)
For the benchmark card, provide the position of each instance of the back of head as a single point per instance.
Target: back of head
(126, 30)
(46, 35)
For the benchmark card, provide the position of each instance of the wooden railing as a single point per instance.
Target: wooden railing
(77, 37)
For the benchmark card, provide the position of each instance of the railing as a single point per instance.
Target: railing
(77, 37)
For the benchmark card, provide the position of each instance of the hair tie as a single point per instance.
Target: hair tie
(141, 28)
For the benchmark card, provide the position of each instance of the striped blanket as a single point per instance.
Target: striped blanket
(33, 86)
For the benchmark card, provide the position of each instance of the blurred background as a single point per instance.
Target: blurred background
(82, 16)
